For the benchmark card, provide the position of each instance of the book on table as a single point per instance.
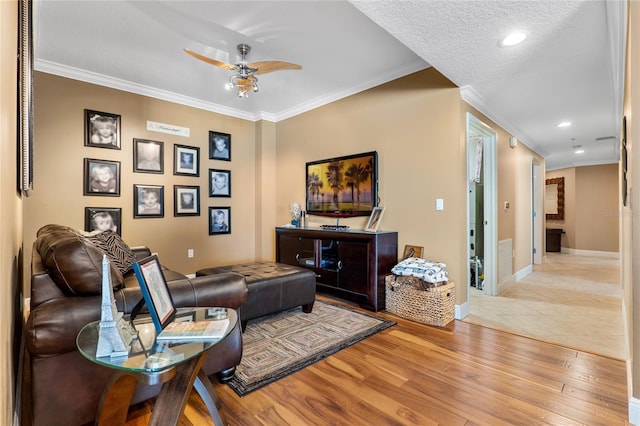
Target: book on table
(194, 330)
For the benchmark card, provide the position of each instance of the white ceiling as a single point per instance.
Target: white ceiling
(569, 68)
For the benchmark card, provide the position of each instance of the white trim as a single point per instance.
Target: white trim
(592, 253)
(462, 311)
(522, 273)
(634, 411)
(505, 284)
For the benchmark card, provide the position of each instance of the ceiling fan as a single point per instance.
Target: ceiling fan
(245, 80)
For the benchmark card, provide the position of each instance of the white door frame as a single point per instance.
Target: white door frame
(476, 127)
(537, 215)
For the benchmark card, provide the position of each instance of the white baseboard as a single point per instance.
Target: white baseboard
(634, 411)
(462, 311)
(524, 272)
(593, 253)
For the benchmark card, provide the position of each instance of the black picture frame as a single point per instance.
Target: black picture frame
(98, 219)
(219, 227)
(101, 177)
(186, 160)
(186, 200)
(216, 178)
(148, 156)
(144, 206)
(216, 151)
(155, 291)
(102, 129)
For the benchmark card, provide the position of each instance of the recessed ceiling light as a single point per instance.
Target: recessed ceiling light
(579, 151)
(514, 38)
(564, 124)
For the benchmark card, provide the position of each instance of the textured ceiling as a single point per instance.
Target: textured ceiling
(569, 68)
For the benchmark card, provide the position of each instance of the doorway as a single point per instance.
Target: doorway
(481, 207)
(537, 215)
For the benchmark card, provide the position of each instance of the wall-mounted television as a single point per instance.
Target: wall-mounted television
(343, 186)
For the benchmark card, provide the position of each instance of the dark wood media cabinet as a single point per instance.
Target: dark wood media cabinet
(349, 264)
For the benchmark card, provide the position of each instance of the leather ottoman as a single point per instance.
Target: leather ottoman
(273, 287)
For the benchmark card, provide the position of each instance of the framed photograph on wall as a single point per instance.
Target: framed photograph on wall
(186, 160)
(219, 183)
(148, 156)
(219, 146)
(374, 219)
(101, 177)
(186, 200)
(103, 219)
(148, 201)
(412, 251)
(102, 129)
(219, 220)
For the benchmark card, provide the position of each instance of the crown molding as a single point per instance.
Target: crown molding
(473, 98)
(115, 83)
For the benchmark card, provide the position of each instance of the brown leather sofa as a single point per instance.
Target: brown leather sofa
(66, 270)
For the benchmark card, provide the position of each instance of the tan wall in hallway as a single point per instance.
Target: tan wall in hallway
(10, 214)
(414, 124)
(59, 154)
(591, 208)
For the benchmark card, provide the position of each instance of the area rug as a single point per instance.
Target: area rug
(281, 344)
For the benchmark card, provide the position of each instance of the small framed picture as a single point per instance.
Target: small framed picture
(186, 200)
(155, 291)
(219, 220)
(412, 251)
(148, 201)
(102, 129)
(101, 177)
(219, 183)
(186, 160)
(148, 156)
(103, 219)
(374, 219)
(219, 146)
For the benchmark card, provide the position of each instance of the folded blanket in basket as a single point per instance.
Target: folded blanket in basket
(431, 272)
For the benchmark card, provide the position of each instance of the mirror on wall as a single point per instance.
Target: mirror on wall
(554, 198)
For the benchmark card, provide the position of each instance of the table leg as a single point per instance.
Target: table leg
(116, 398)
(174, 395)
(208, 394)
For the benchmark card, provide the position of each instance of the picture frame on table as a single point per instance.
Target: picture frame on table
(219, 220)
(155, 291)
(374, 220)
(219, 146)
(101, 177)
(103, 219)
(148, 156)
(186, 200)
(102, 129)
(148, 201)
(219, 183)
(412, 251)
(186, 160)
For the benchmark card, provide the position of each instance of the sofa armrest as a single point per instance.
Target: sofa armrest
(227, 290)
(141, 252)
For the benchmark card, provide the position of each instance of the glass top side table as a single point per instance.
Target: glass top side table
(176, 364)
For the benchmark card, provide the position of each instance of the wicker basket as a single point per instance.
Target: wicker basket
(430, 305)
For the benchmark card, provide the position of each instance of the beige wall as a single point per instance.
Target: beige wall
(630, 224)
(591, 208)
(10, 213)
(59, 155)
(413, 123)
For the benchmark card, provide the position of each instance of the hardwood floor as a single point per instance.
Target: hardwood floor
(412, 374)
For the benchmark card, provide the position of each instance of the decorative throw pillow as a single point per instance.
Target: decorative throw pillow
(118, 252)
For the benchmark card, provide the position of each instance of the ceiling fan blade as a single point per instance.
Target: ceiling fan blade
(270, 66)
(211, 61)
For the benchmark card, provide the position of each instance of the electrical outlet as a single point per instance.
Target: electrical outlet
(189, 253)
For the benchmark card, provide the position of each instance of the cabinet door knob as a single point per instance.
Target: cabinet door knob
(339, 264)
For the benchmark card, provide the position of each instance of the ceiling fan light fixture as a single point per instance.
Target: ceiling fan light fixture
(243, 84)
(512, 39)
